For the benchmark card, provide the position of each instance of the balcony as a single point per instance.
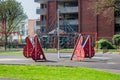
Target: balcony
(117, 20)
(68, 9)
(69, 22)
(44, 1)
(40, 1)
(62, 22)
(117, 32)
(41, 11)
(40, 23)
(62, 10)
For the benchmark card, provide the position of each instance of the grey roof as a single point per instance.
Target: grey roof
(54, 31)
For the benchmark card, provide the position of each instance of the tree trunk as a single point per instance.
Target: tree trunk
(5, 43)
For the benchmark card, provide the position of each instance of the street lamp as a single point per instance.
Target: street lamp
(58, 33)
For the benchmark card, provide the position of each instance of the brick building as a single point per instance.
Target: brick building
(31, 27)
(75, 13)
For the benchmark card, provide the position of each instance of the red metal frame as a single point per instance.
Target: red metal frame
(27, 50)
(81, 50)
(34, 50)
(78, 53)
(93, 34)
(89, 50)
(37, 53)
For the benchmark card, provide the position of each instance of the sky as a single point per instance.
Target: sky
(30, 8)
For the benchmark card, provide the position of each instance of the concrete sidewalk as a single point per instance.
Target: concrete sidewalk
(106, 62)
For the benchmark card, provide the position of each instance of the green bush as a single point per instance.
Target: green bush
(116, 40)
(103, 43)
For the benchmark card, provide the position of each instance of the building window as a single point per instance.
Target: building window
(117, 28)
(43, 30)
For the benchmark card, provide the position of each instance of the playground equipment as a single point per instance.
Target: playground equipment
(37, 53)
(27, 50)
(83, 49)
(33, 51)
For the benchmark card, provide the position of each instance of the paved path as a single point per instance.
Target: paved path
(106, 62)
(6, 79)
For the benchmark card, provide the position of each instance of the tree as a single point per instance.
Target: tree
(105, 5)
(11, 14)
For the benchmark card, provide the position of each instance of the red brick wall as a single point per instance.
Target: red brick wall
(51, 15)
(105, 26)
(88, 21)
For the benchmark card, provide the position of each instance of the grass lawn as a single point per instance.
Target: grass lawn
(45, 51)
(11, 52)
(55, 51)
(53, 73)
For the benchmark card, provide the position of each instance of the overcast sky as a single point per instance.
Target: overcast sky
(30, 8)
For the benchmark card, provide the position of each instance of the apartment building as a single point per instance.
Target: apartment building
(76, 14)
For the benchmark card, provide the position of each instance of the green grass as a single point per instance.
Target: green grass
(55, 50)
(108, 50)
(53, 73)
(45, 51)
(13, 53)
(71, 50)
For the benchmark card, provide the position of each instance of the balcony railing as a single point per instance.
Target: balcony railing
(62, 10)
(41, 11)
(41, 1)
(117, 32)
(68, 9)
(62, 22)
(117, 20)
(69, 22)
(40, 23)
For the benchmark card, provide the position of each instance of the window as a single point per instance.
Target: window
(117, 28)
(43, 29)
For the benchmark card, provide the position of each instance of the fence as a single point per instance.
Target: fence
(49, 43)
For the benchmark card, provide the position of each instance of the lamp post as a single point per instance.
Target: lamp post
(58, 33)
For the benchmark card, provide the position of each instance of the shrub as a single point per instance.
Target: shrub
(116, 40)
(103, 43)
